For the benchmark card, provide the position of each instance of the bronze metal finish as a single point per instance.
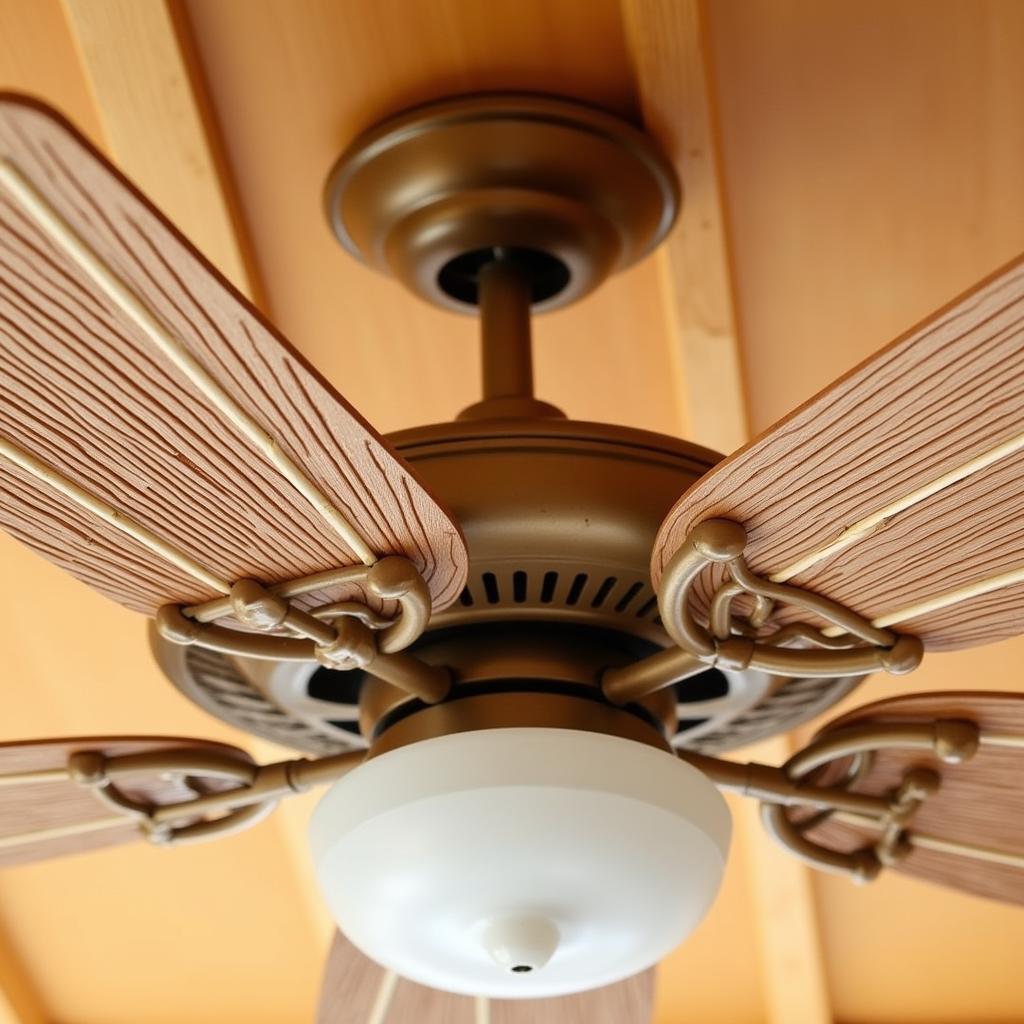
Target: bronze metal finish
(581, 188)
(649, 675)
(504, 288)
(339, 635)
(551, 544)
(210, 813)
(528, 655)
(951, 741)
(735, 643)
(773, 785)
(511, 710)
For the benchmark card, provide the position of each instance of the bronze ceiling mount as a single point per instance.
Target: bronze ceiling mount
(567, 192)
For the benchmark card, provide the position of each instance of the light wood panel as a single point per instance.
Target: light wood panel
(86, 392)
(669, 43)
(148, 92)
(20, 1002)
(943, 395)
(872, 155)
(669, 47)
(323, 75)
(979, 802)
(785, 912)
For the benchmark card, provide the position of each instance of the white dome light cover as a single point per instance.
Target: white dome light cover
(438, 857)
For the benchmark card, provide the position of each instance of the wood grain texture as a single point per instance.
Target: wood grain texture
(417, 1004)
(785, 912)
(670, 45)
(83, 390)
(158, 125)
(626, 1002)
(980, 802)
(668, 41)
(351, 985)
(352, 982)
(44, 805)
(935, 398)
(321, 72)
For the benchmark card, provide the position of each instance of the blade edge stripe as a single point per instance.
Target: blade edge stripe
(866, 526)
(112, 516)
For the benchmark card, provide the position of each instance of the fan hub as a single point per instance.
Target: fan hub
(559, 519)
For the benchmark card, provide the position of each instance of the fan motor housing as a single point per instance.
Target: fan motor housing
(560, 519)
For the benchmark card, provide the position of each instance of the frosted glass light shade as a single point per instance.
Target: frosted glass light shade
(520, 862)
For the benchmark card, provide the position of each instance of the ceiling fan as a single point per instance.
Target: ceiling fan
(517, 702)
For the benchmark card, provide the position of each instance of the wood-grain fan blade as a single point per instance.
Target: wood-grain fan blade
(146, 406)
(51, 816)
(899, 490)
(626, 1002)
(979, 804)
(356, 989)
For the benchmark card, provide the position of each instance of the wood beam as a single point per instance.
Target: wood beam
(669, 48)
(159, 128)
(147, 87)
(793, 974)
(20, 1003)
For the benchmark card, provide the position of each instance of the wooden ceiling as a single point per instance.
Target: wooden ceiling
(848, 167)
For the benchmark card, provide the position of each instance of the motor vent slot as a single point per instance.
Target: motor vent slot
(627, 598)
(580, 581)
(582, 594)
(603, 591)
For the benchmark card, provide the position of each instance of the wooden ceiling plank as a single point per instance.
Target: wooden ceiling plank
(669, 48)
(151, 99)
(669, 52)
(158, 125)
(785, 914)
(20, 1003)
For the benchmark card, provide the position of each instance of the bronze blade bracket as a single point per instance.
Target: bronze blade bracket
(733, 642)
(230, 792)
(341, 635)
(778, 788)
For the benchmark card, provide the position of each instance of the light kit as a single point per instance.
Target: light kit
(515, 645)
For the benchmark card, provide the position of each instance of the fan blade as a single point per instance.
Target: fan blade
(356, 989)
(626, 1002)
(980, 802)
(51, 815)
(158, 439)
(898, 490)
